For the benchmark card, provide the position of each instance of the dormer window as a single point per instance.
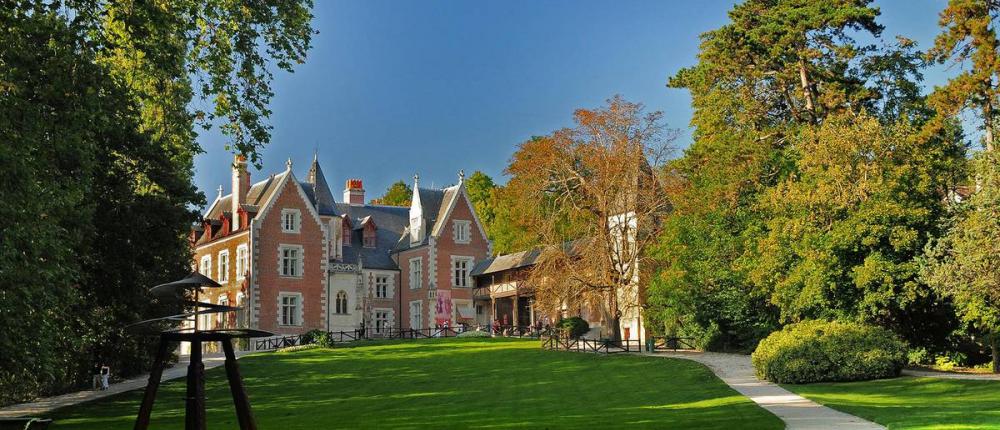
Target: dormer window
(369, 235)
(346, 233)
(290, 220)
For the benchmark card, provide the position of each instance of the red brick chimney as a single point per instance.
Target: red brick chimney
(241, 186)
(354, 192)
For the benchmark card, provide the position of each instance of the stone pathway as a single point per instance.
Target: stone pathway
(952, 375)
(43, 406)
(796, 411)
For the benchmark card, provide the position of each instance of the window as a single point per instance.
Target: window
(382, 287)
(289, 312)
(346, 230)
(290, 220)
(460, 267)
(223, 266)
(415, 314)
(369, 236)
(340, 304)
(461, 231)
(290, 260)
(220, 321)
(241, 314)
(206, 266)
(416, 278)
(479, 309)
(241, 262)
(381, 321)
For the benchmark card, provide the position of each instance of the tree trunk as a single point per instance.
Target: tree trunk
(616, 329)
(988, 126)
(806, 88)
(996, 353)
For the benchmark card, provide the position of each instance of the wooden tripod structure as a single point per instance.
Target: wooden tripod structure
(194, 410)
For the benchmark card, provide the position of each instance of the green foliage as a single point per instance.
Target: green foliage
(573, 327)
(474, 333)
(98, 193)
(817, 351)
(398, 194)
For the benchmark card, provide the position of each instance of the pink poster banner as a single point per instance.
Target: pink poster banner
(442, 310)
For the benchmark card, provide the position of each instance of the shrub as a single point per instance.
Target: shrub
(318, 337)
(573, 327)
(474, 333)
(815, 351)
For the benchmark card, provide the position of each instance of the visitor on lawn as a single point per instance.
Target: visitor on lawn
(105, 375)
(96, 374)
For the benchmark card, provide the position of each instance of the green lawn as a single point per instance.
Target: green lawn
(913, 403)
(451, 383)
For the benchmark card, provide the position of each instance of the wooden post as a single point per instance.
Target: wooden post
(194, 413)
(240, 399)
(149, 396)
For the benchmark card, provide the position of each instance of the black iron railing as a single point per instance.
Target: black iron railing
(597, 346)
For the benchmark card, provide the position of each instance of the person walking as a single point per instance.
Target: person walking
(105, 376)
(95, 373)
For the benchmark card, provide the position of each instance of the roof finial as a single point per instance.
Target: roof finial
(461, 176)
(288, 164)
(416, 180)
(220, 191)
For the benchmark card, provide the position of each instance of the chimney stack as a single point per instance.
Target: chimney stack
(354, 192)
(241, 186)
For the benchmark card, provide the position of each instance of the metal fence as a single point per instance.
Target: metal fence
(278, 342)
(597, 346)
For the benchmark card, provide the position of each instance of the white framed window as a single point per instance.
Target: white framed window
(290, 309)
(290, 261)
(223, 266)
(241, 262)
(460, 268)
(291, 220)
(221, 316)
(381, 286)
(416, 273)
(415, 309)
(340, 304)
(381, 321)
(461, 231)
(206, 266)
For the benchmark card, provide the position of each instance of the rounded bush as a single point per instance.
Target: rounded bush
(574, 327)
(817, 351)
(474, 333)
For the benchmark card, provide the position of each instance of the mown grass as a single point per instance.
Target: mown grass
(913, 403)
(450, 383)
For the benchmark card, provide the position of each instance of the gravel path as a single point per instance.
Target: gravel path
(796, 411)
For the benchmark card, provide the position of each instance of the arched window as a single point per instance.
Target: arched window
(340, 305)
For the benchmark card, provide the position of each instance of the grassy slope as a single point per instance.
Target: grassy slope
(446, 383)
(913, 403)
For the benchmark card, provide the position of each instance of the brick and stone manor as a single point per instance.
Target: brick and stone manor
(297, 259)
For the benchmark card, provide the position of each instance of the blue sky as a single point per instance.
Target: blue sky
(393, 88)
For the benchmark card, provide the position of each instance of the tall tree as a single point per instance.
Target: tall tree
(480, 187)
(963, 265)
(969, 38)
(398, 194)
(605, 176)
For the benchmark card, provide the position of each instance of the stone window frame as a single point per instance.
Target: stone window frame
(223, 270)
(416, 277)
(298, 268)
(299, 305)
(336, 303)
(205, 268)
(242, 261)
(469, 262)
(296, 220)
(462, 226)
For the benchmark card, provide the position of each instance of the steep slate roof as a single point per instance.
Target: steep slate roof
(435, 205)
(258, 195)
(318, 190)
(390, 225)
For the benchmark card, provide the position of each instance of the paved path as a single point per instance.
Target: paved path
(952, 375)
(43, 406)
(796, 411)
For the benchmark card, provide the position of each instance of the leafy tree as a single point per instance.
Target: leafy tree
(480, 188)
(603, 192)
(398, 194)
(962, 264)
(844, 233)
(969, 37)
